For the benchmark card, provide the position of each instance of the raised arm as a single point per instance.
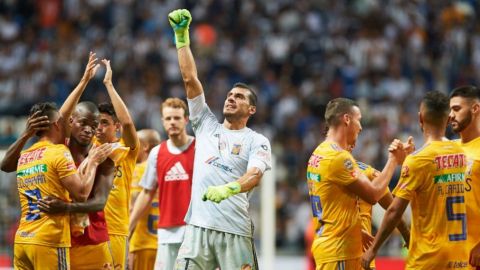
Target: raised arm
(180, 21)
(69, 105)
(35, 123)
(104, 180)
(373, 191)
(129, 133)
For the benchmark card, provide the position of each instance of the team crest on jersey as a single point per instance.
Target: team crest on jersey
(236, 149)
(405, 171)
(348, 164)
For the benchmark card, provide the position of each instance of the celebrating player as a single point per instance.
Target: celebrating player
(334, 183)
(433, 179)
(114, 118)
(465, 120)
(230, 160)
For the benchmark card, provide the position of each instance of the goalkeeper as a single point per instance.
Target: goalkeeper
(230, 160)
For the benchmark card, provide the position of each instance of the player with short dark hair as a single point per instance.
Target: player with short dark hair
(334, 182)
(230, 160)
(465, 120)
(433, 180)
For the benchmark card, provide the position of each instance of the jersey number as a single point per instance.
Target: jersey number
(316, 206)
(456, 216)
(33, 212)
(152, 221)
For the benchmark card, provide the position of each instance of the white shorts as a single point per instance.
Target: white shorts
(206, 249)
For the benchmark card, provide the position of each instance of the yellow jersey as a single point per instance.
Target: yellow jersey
(117, 208)
(433, 179)
(472, 188)
(364, 207)
(145, 234)
(338, 226)
(40, 169)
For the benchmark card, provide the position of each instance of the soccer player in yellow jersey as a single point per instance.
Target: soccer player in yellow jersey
(465, 120)
(143, 241)
(366, 210)
(47, 169)
(115, 118)
(433, 179)
(334, 183)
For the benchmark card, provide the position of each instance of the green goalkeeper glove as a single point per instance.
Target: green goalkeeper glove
(180, 20)
(220, 193)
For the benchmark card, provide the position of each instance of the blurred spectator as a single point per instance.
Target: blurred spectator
(297, 54)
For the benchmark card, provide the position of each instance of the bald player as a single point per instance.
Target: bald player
(143, 240)
(90, 250)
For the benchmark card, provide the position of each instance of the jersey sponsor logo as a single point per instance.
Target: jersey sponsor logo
(456, 264)
(450, 161)
(263, 155)
(176, 173)
(449, 177)
(35, 180)
(236, 149)
(31, 156)
(314, 176)
(213, 161)
(348, 164)
(314, 160)
(39, 168)
(26, 234)
(222, 145)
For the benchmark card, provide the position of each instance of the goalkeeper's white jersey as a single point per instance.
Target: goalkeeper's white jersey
(222, 156)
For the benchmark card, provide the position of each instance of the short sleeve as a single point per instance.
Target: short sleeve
(343, 169)
(410, 179)
(260, 155)
(201, 117)
(149, 178)
(63, 162)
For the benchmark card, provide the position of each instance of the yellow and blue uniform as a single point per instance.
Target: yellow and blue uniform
(143, 243)
(42, 240)
(364, 207)
(472, 194)
(338, 232)
(117, 208)
(433, 180)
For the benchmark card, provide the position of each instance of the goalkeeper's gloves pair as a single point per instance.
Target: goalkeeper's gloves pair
(220, 193)
(180, 21)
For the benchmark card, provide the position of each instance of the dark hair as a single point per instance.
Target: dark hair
(107, 108)
(252, 98)
(336, 108)
(48, 109)
(466, 91)
(88, 106)
(436, 107)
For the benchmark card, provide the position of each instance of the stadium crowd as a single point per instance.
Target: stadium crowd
(297, 54)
